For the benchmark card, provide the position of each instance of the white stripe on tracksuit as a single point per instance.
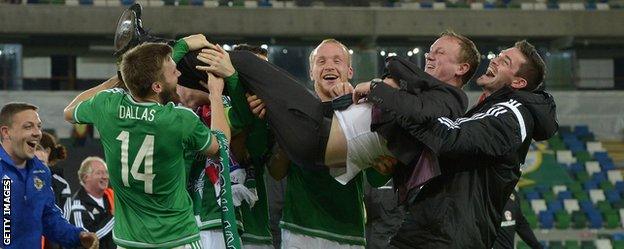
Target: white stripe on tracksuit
(77, 207)
(105, 229)
(496, 110)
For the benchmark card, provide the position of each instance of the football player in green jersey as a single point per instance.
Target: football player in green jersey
(320, 212)
(250, 144)
(144, 135)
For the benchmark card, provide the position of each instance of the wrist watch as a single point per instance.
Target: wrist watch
(374, 83)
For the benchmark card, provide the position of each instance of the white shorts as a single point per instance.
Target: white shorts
(363, 145)
(291, 240)
(212, 239)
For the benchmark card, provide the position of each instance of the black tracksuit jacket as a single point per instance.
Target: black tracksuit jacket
(479, 157)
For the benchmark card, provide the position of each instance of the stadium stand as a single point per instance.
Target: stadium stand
(526, 5)
(589, 204)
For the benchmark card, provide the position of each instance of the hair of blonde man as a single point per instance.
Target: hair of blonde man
(85, 167)
(334, 41)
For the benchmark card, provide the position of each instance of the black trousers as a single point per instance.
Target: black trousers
(294, 113)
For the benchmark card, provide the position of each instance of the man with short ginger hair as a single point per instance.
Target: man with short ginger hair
(27, 181)
(479, 155)
(145, 135)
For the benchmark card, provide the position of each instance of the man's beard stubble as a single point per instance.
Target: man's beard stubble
(169, 95)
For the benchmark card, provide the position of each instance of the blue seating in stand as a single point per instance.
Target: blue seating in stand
(595, 219)
(564, 195)
(591, 184)
(572, 141)
(613, 196)
(542, 188)
(606, 165)
(604, 160)
(566, 134)
(547, 219)
(265, 3)
(601, 155)
(581, 130)
(576, 167)
(552, 6)
(599, 177)
(197, 2)
(554, 206)
(587, 206)
(575, 146)
(619, 185)
(569, 136)
(426, 5)
(618, 236)
(532, 195)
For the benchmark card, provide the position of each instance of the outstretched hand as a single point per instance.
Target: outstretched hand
(385, 164)
(256, 106)
(361, 91)
(215, 84)
(341, 89)
(218, 60)
(197, 41)
(89, 240)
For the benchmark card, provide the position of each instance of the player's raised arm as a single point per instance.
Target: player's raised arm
(218, 120)
(108, 84)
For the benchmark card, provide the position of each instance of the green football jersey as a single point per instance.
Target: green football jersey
(317, 205)
(206, 209)
(256, 218)
(203, 193)
(144, 145)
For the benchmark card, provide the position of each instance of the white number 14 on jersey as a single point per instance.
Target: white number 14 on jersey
(146, 153)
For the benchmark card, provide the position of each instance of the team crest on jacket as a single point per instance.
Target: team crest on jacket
(38, 183)
(508, 215)
(512, 197)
